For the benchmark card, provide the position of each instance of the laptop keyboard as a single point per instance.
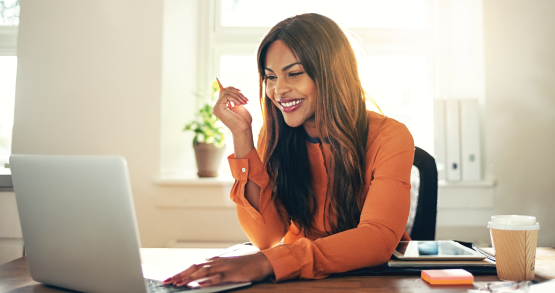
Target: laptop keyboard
(154, 286)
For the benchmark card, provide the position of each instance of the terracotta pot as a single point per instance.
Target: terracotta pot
(208, 158)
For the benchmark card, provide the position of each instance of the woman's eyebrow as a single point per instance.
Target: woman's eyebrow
(289, 66)
(284, 68)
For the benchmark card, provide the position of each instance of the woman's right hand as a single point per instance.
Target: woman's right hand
(237, 118)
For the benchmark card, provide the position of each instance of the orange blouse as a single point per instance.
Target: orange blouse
(389, 156)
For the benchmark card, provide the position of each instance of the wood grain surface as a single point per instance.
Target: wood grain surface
(15, 278)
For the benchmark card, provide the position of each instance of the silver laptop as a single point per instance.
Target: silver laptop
(79, 225)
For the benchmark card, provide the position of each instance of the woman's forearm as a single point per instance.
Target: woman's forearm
(243, 144)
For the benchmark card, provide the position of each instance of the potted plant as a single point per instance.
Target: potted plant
(209, 140)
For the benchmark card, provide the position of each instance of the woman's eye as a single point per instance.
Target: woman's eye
(270, 77)
(293, 74)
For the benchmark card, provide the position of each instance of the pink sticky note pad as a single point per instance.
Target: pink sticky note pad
(447, 277)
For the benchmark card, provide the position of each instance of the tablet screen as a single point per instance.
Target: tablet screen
(414, 249)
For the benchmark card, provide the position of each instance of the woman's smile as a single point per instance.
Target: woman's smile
(290, 105)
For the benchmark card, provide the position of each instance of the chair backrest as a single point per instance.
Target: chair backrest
(422, 217)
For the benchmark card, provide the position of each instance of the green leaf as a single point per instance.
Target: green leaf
(204, 126)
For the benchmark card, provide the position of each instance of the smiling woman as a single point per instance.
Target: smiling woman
(328, 178)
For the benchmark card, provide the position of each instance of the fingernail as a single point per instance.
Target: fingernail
(168, 279)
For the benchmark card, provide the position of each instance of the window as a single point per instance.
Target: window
(9, 19)
(410, 52)
(367, 13)
(395, 40)
(9, 12)
(8, 67)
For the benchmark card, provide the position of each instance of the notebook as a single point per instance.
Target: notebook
(79, 225)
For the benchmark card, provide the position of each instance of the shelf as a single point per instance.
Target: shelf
(481, 183)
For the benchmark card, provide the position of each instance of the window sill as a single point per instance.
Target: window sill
(453, 196)
(6, 183)
(190, 191)
(464, 197)
(227, 180)
(9, 29)
(223, 180)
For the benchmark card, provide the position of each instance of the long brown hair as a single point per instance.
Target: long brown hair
(326, 54)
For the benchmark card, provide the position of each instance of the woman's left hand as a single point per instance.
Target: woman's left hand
(253, 267)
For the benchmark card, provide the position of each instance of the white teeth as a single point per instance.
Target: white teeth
(291, 103)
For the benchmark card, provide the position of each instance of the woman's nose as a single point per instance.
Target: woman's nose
(282, 87)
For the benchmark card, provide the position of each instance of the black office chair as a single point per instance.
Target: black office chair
(423, 193)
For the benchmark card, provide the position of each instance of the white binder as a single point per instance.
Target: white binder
(452, 136)
(439, 138)
(470, 140)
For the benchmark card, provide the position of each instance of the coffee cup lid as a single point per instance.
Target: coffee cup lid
(513, 222)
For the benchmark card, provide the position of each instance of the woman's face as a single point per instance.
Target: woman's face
(289, 86)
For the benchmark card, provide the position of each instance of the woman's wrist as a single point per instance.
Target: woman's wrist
(266, 266)
(242, 143)
(243, 132)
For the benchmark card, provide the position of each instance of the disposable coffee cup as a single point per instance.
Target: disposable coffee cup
(514, 239)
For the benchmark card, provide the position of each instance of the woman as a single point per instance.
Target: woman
(328, 177)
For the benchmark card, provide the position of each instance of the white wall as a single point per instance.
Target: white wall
(90, 82)
(518, 114)
(520, 108)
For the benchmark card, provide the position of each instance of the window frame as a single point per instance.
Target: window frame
(8, 47)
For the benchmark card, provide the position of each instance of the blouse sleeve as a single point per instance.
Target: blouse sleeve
(382, 222)
(264, 226)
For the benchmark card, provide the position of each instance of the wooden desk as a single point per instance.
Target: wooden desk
(15, 278)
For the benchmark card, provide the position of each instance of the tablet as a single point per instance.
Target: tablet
(435, 250)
